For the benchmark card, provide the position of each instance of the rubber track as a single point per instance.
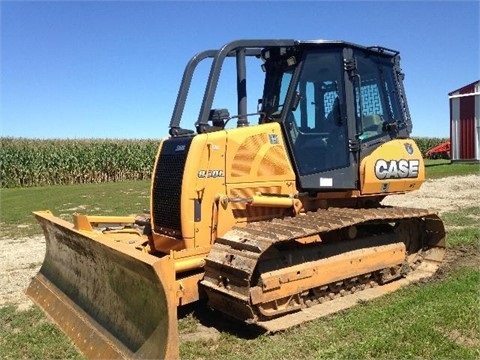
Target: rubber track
(233, 258)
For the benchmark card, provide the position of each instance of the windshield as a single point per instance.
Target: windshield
(376, 98)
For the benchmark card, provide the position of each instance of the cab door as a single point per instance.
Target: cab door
(317, 129)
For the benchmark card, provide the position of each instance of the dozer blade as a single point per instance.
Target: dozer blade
(112, 300)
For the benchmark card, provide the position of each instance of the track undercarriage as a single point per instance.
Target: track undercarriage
(320, 262)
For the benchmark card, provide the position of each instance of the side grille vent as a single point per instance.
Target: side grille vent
(167, 186)
(274, 161)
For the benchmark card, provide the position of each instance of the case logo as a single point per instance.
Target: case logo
(394, 169)
(408, 148)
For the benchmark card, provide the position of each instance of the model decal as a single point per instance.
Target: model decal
(210, 174)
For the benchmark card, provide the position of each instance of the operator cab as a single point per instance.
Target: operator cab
(337, 102)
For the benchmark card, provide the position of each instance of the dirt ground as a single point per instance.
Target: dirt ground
(20, 259)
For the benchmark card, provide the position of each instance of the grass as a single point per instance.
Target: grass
(435, 320)
(28, 334)
(428, 321)
(115, 198)
(463, 226)
(463, 217)
(442, 168)
(463, 236)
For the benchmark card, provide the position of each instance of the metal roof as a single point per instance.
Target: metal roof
(466, 89)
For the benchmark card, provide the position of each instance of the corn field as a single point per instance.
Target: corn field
(426, 144)
(34, 162)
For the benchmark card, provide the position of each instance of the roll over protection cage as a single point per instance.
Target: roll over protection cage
(239, 49)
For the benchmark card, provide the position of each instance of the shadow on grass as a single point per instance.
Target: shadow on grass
(438, 164)
(211, 318)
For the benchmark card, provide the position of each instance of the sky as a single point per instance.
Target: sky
(111, 69)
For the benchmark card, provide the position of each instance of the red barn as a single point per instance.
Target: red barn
(465, 123)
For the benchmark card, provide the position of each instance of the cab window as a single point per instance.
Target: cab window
(315, 128)
(375, 97)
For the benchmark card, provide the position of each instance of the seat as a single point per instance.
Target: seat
(372, 123)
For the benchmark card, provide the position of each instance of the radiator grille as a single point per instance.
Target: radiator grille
(167, 186)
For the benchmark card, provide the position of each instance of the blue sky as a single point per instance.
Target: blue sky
(112, 69)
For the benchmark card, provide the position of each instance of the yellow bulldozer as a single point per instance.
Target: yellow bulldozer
(276, 219)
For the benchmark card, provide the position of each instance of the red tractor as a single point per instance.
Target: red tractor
(441, 151)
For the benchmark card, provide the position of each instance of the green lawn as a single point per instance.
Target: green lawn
(464, 226)
(115, 198)
(29, 335)
(441, 168)
(437, 320)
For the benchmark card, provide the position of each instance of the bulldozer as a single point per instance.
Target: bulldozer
(275, 220)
